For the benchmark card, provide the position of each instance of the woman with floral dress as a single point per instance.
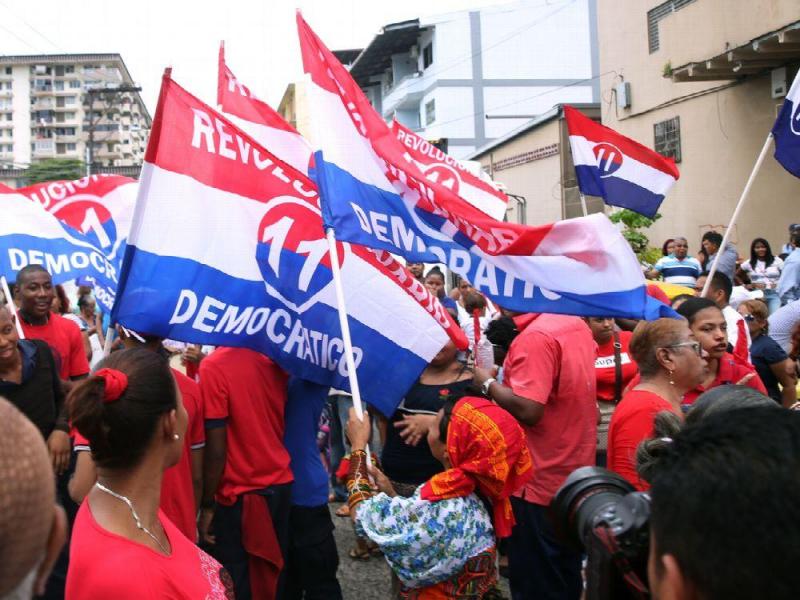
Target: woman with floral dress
(441, 541)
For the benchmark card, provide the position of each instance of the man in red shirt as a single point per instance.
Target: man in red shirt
(549, 386)
(34, 293)
(244, 518)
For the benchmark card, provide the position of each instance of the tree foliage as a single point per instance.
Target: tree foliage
(633, 224)
(53, 169)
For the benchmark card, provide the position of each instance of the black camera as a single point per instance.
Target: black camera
(600, 512)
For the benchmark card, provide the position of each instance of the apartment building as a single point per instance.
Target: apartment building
(51, 106)
(466, 78)
(702, 81)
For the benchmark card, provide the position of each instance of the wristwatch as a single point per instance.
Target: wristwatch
(486, 384)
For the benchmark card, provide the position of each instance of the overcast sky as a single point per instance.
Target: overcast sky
(260, 36)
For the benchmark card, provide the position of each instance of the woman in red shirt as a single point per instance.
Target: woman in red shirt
(671, 361)
(708, 326)
(122, 545)
(614, 368)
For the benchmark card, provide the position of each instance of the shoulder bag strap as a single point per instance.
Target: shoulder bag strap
(617, 368)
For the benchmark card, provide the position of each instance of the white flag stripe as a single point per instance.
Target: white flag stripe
(631, 169)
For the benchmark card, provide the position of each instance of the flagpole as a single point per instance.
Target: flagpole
(583, 204)
(330, 234)
(11, 307)
(745, 193)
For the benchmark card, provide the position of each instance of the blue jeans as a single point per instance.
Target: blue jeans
(772, 300)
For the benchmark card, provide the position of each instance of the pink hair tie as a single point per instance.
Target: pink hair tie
(116, 383)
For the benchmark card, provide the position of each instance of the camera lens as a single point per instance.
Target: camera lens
(583, 497)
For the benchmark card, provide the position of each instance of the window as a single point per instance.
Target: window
(69, 100)
(427, 56)
(71, 147)
(8, 70)
(58, 86)
(430, 111)
(661, 11)
(74, 84)
(668, 138)
(59, 71)
(69, 69)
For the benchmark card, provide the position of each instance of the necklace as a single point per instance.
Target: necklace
(136, 518)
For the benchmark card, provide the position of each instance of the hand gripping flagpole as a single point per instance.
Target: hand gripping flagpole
(745, 193)
(12, 309)
(330, 234)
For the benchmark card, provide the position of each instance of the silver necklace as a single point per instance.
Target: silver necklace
(136, 518)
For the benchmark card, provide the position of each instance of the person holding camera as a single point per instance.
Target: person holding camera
(748, 460)
(671, 362)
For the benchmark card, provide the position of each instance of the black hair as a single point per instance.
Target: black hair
(713, 237)
(501, 332)
(724, 504)
(29, 270)
(667, 424)
(120, 431)
(720, 281)
(768, 259)
(692, 306)
(796, 239)
(436, 271)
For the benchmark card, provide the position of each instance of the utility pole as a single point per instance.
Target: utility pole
(91, 93)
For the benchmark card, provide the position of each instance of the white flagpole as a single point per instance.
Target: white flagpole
(742, 198)
(11, 307)
(345, 325)
(107, 342)
(583, 205)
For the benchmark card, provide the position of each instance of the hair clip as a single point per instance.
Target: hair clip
(116, 384)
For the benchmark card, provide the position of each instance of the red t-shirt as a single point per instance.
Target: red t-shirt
(103, 564)
(606, 371)
(631, 423)
(248, 391)
(177, 489)
(552, 362)
(65, 340)
(730, 371)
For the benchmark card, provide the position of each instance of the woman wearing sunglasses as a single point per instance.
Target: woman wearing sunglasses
(772, 364)
(671, 362)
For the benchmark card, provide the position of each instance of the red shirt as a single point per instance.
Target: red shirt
(605, 370)
(631, 423)
(65, 340)
(106, 565)
(552, 362)
(248, 391)
(177, 489)
(729, 371)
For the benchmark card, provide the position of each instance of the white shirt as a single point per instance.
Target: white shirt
(732, 317)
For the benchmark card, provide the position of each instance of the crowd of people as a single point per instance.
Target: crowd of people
(188, 472)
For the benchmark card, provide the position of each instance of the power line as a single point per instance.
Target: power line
(31, 27)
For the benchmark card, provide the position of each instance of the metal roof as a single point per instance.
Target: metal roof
(377, 56)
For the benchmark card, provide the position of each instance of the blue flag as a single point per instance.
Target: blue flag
(787, 130)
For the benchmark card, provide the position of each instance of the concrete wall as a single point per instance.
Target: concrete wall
(22, 114)
(723, 124)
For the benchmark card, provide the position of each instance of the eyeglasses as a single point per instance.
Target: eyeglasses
(749, 318)
(698, 349)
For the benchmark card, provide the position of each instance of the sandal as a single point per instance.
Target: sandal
(374, 549)
(358, 554)
(343, 511)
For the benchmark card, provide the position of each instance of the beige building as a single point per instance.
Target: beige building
(534, 165)
(702, 80)
(50, 106)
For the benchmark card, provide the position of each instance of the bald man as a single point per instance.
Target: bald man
(33, 528)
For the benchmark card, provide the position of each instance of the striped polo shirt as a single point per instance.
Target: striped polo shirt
(679, 271)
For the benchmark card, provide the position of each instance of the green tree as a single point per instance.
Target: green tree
(634, 223)
(53, 169)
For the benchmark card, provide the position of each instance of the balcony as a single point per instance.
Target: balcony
(759, 55)
(43, 104)
(41, 90)
(44, 150)
(405, 94)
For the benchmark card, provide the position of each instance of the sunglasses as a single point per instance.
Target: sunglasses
(698, 349)
(749, 318)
